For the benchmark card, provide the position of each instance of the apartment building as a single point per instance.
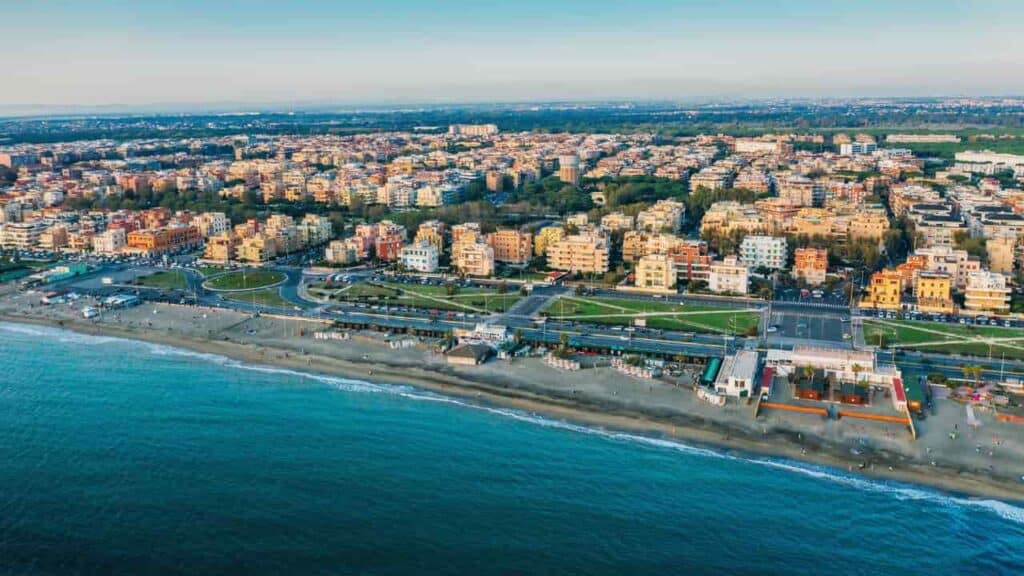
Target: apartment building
(729, 276)
(1002, 253)
(211, 223)
(473, 258)
(656, 272)
(957, 263)
(586, 253)
(165, 240)
(546, 237)
(511, 246)
(617, 221)
(221, 247)
(256, 249)
(810, 265)
(934, 293)
(800, 190)
(770, 252)
(987, 292)
(467, 232)
(110, 242)
(691, 259)
(419, 257)
(663, 216)
(431, 231)
(343, 252)
(884, 291)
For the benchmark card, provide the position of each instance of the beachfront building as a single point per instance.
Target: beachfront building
(737, 374)
(884, 290)
(810, 265)
(419, 257)
(656, 273)
(586, 253)
(934, 293)
(987, 292)
(764, 252)
(730, 276)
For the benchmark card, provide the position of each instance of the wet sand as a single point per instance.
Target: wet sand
(598, 397)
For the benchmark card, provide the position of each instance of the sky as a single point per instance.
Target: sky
(132, 53)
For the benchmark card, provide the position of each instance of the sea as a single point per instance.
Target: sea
(124, 457)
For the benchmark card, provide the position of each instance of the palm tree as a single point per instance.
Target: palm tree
(857, 369)
(808, 373)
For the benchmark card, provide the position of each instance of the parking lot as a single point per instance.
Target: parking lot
(810, 326)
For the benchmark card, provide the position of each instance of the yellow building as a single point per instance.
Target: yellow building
(934, 293)
(221, 247)
(884, 291)
(656, 272)
(546, 237)
(255, 249)
(1001, 253)
(868, 225)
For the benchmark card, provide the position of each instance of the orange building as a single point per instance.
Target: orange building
(811, 264)
(155, 241)
(511, 246)
(691, 259)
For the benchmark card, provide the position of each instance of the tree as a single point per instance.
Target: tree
(857, 369)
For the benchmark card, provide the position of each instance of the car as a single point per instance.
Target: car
(771, 329)
(846, 335)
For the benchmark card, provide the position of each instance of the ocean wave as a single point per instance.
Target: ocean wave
(896, 490)
(58, 334)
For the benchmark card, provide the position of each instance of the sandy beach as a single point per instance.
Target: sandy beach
(988, 465)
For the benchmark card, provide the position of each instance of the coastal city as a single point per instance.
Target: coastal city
(850, 297)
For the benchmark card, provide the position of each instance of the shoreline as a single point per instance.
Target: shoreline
(687, 429)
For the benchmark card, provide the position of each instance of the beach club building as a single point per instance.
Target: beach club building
(855, 366)
(738, 374)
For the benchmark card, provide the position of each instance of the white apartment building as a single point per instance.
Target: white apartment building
(764, 252)
(987, 291)
(730, 276)
(211, 223)
(419, 257)
(110, 241)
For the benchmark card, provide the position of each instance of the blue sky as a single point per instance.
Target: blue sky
(193, 52)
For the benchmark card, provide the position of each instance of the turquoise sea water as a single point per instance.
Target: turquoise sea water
(120, 457)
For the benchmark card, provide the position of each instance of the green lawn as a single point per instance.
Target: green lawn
(268, 297)
(208, 271)
(244, 280)
(431, 297)
(944, 338)
(695, 318)
(166, 279)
